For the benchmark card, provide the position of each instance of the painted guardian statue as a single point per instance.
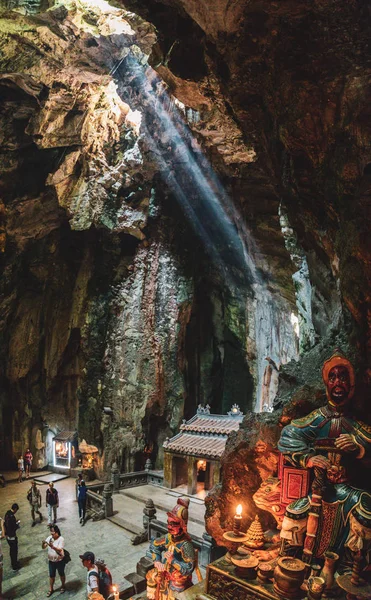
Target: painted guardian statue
(173, 556)
(330, 442)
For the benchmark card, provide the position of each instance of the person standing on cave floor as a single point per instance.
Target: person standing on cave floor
(34, 498)
(52, 503)
(28, 462)
(55, 545)
(20, 469)
(82, 491)
(11, 525)
(331, 442)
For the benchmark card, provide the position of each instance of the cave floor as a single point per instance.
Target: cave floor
(102, 537)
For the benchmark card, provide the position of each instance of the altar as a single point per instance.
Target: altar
(222, 583)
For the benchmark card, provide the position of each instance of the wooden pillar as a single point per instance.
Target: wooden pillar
(208, 481)
(169, 470)
(192, 475)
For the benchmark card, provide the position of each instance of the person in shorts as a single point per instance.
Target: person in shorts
(55, 545)
(20, 469)
(28, 462)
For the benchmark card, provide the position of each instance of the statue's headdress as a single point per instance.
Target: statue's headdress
(337, 359)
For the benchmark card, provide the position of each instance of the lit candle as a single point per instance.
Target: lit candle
(115, 592)
(237, 521)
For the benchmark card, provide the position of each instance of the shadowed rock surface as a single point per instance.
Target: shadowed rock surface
(109, 295)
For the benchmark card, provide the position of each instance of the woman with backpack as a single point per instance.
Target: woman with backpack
(55, 545)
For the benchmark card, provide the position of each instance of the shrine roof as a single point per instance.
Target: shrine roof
(197, 445)
(65, 436)
(205, 435)
(216, 424)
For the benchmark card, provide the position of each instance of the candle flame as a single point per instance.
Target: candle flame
(114, 588)
(239, 509)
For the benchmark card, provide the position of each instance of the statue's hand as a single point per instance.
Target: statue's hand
(346, 443)
(318, 461)
(266, 554)
(168, 555)
(159, 566)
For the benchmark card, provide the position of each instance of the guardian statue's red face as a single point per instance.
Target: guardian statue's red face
(338, 385)
(174, 527)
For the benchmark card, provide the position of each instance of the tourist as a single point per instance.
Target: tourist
(92, 578)
(34, 498)
(79, 479)
(52, 503)
(20, 469)
(28, 462)
(55, 544)
(11, 525)
(81, 499)
(105, 578)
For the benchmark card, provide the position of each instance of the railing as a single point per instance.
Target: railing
(123, 481)
(99, 495)
(100, 505)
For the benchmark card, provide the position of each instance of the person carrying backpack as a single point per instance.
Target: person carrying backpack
(34, 498)
(105, 578)
(56, 558)
(92, 577)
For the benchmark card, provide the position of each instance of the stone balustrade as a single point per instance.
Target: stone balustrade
(122, 481)
(99, 504)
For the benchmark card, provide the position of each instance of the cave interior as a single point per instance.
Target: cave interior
(184, 218)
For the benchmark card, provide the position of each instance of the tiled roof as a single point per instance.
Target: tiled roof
(65, 436)
(207, 446)
(204, 435)
(214, 424)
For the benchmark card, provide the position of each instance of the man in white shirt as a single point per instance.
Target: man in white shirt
(55, 545)
(92, 578)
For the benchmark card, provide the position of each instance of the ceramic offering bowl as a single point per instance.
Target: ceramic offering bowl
(245, 567)
(265, 571)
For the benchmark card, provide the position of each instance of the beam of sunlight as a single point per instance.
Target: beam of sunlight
(188, 174)
(208, 208)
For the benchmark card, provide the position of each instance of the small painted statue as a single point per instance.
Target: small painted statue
(330, 441)
(173, 556)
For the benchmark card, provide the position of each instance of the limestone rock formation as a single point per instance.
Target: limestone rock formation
(110, 291)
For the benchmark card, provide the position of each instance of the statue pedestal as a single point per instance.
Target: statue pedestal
(222, 583)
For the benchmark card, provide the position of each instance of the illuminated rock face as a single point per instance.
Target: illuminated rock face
(108, 297)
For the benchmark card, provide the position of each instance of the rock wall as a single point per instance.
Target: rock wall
(111, 296)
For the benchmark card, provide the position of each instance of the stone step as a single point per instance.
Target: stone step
(124, 524)
(164, 501)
